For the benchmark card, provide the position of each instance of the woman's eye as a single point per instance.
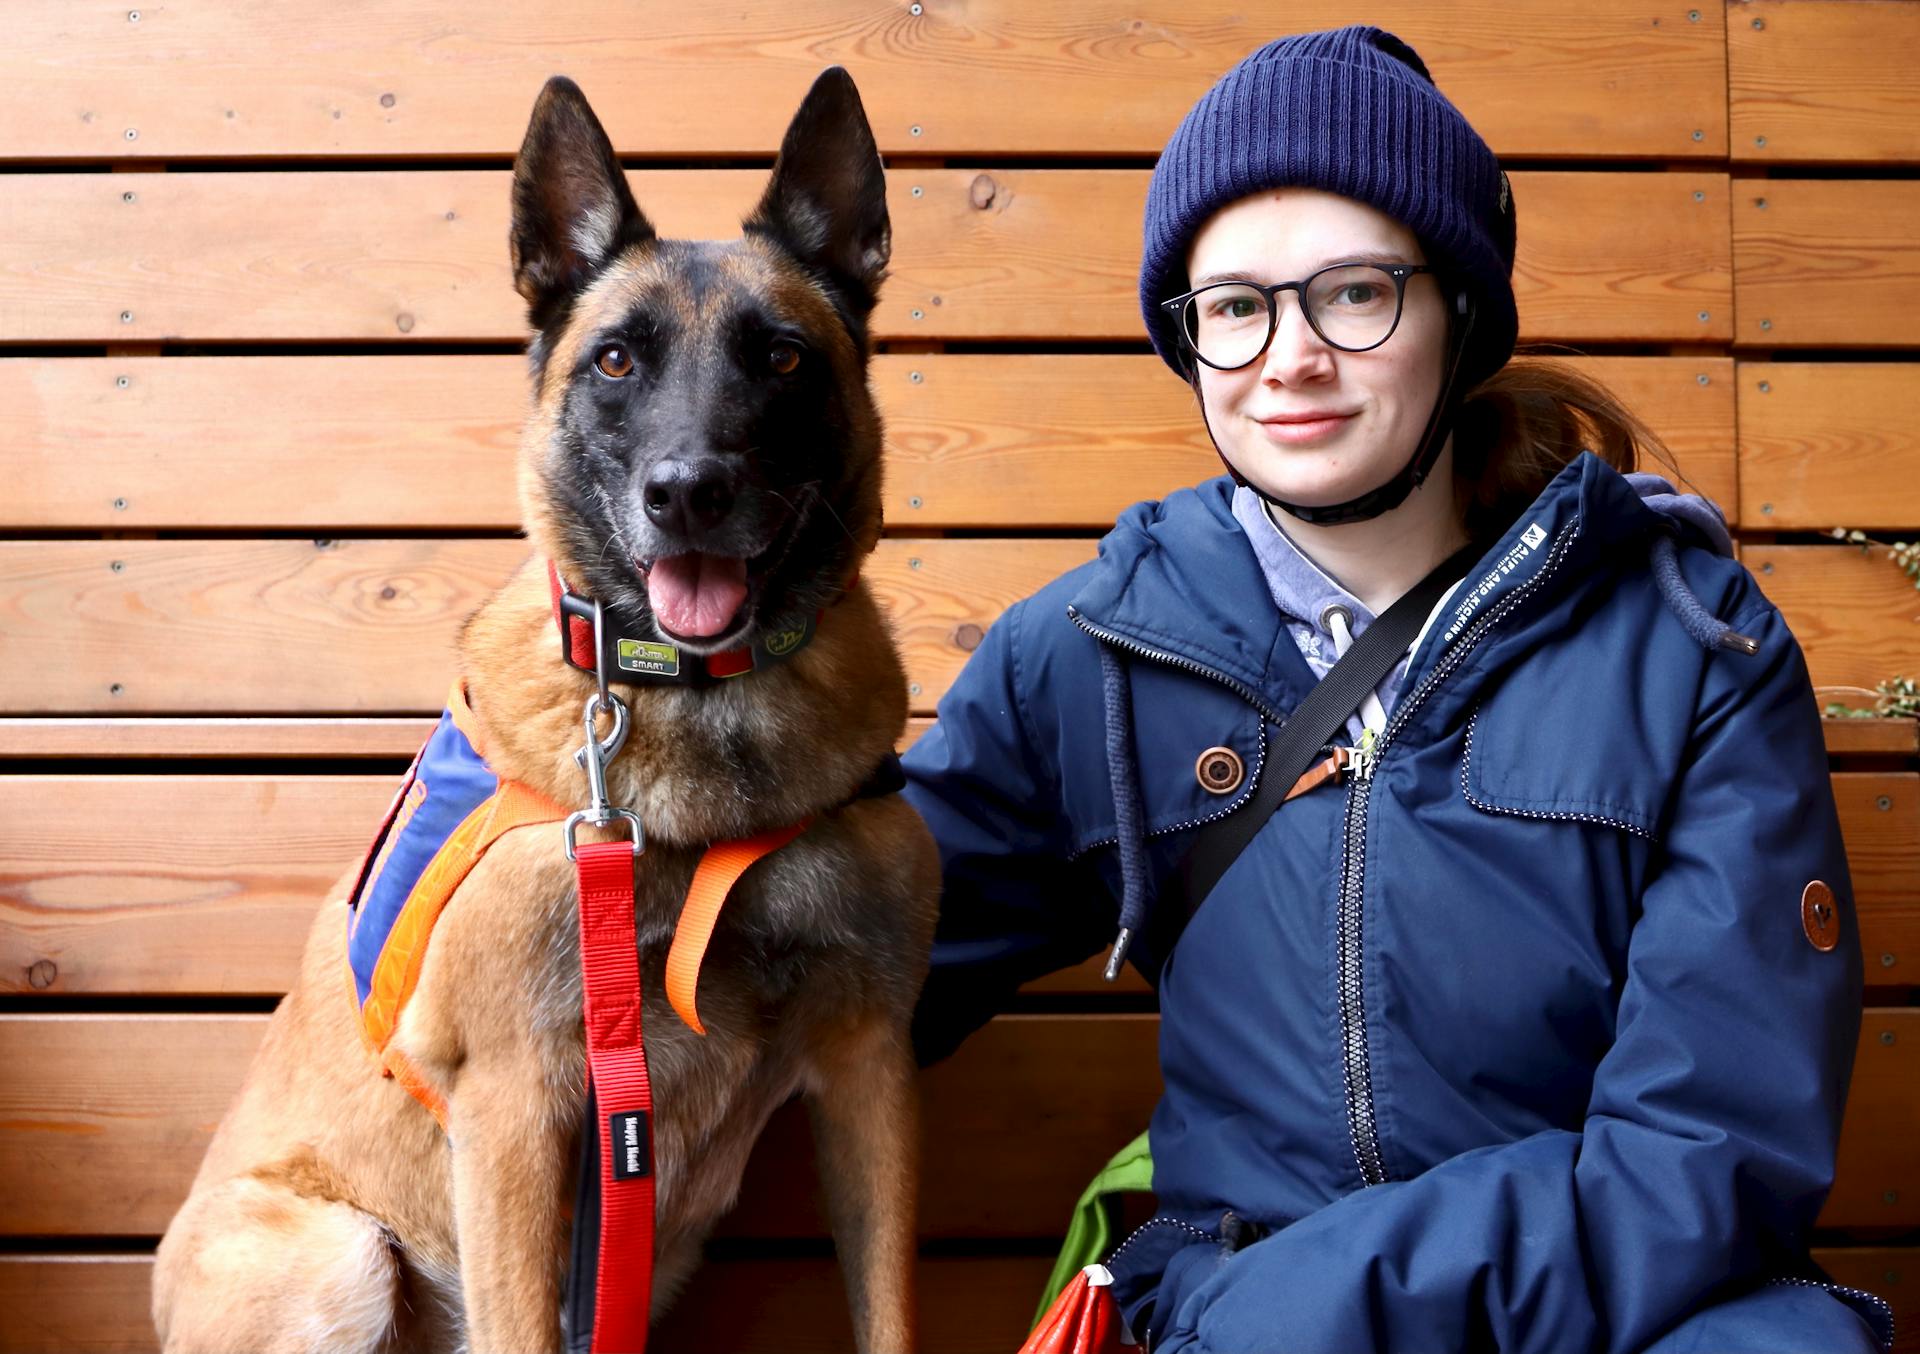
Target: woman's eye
(783, 358)
(1236, 308)
(614, 360)
(1358, 294)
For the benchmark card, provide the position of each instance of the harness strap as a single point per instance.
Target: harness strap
(719, 869)
(617, 1064)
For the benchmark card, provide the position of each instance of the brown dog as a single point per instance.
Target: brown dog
(703, 459)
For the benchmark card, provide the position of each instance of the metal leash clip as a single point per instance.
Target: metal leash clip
(594, 755)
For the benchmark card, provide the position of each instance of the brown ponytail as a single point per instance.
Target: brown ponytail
(1518, 428)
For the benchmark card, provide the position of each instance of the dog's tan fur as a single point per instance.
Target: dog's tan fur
(331, 1213)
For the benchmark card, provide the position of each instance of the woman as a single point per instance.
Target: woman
(1536, 1035)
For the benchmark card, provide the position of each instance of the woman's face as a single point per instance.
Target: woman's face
(1368, 408)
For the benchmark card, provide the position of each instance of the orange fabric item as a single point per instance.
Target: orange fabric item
(398, 970)
(1083, 1319)
(713, 879)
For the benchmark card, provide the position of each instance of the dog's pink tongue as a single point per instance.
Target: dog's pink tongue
(697, 595)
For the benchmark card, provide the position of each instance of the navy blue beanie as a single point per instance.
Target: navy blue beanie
(1351, 111)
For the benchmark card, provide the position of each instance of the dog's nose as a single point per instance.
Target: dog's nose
(688, 496)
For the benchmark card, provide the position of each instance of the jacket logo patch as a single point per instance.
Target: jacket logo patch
(1529, 542)
(1819, 918)
(632, 1147)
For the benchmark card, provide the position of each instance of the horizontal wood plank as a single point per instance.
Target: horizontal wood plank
(409, 78)
(103, 1120)
(208, 884)
(1880, 823)
(281, 739)
(1004, 254)
(1826, 263)
(1877, 1178)
(1883, 737)
(53, 1303)
(88, 1099)
(56, 738)
(98, 1304)
(366, 627)
(1830, 444)
(428, 441)
(1853, 612)
(1813, 82)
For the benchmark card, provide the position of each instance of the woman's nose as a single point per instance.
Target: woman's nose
(1296, 353)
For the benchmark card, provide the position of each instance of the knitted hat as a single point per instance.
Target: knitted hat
(1352, 111)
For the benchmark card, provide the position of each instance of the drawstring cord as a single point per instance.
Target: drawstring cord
(1129, 819)
(1707, 629)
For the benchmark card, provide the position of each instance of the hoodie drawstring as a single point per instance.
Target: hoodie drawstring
(1129, 817)
(1707, 629)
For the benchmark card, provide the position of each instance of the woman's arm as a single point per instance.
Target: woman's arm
(1013, 907)
(1709, 1141)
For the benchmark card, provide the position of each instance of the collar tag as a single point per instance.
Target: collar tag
(647, 657)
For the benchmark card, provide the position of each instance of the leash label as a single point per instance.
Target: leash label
(640, 655)
(632, 1146)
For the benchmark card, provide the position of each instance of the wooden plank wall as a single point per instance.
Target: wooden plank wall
(259, 392)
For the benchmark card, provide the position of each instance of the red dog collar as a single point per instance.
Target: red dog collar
(652, 661)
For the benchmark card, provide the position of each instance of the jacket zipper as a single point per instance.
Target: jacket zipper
(1880, 1304)
(1233, 684)
(1357, 1073)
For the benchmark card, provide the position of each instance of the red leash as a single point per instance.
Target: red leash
(617, 1061)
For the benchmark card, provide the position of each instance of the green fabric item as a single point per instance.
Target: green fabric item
(1090, 1232)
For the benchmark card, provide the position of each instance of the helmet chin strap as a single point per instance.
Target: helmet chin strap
(1411, 476)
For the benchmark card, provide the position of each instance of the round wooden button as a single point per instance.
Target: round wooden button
(1819, 918)
(1219, 771)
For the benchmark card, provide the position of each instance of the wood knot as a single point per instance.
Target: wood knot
(968, 636)
(42, 974)
(983, 191)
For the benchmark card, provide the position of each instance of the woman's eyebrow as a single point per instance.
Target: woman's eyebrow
(1352, 256)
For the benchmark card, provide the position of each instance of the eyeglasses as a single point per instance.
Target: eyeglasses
(1352, 306)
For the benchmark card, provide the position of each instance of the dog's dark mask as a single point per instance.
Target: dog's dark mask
(705, 454)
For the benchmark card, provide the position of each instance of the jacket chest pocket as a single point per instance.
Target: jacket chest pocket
(1558, 742)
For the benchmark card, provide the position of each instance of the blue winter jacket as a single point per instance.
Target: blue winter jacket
(1518, 1042)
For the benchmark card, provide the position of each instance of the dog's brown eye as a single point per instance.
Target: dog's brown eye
(783, 358)
(614, 360)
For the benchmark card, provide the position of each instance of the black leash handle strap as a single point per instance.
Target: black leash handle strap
(1292, 749)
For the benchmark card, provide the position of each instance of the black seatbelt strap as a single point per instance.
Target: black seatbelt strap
(1291, 748)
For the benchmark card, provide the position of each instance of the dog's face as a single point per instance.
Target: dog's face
(703, 456)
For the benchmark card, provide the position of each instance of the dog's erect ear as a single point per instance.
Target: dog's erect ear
(572, 211)
(827, 202)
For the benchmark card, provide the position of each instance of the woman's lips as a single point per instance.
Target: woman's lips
(1304, 433)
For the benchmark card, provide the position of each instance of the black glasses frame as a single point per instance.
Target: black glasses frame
(1400, 272)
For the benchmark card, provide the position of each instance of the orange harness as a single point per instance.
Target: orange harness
(448, 810)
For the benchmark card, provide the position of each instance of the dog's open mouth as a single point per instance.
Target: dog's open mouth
(696, 596)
